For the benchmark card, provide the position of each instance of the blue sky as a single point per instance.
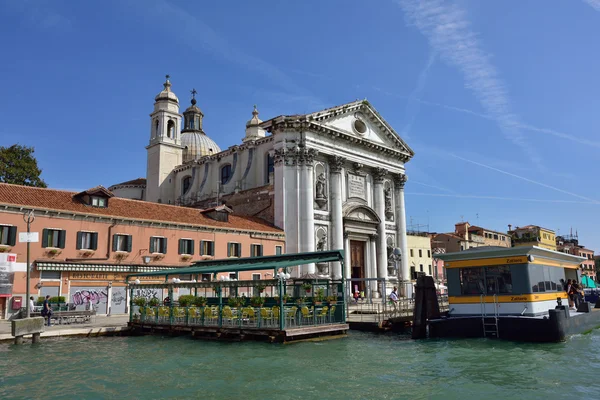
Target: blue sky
(500, 102)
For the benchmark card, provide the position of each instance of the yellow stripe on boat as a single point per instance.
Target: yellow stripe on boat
(509, 298)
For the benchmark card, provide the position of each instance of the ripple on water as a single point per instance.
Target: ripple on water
(362, 366)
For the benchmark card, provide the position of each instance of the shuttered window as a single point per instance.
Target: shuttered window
(186, 246)
(207, 248)
(234, 249)
(122, 243)
(54, 238)
(158, 245)
(278, 250)
(8, 235)
(256, 250)
(87, 241)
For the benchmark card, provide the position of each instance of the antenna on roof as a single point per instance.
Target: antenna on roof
(462, 218)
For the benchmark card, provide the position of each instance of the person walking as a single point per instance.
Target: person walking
(394, 299)
(31, 304)
(47, 310)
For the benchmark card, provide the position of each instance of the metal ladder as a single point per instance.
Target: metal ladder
(489, 323)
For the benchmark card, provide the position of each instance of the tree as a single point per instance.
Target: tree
(19, 166)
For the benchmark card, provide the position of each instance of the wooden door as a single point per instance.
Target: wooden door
(357, 263)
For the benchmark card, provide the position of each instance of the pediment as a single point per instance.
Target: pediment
(360, 212)
(359, 119)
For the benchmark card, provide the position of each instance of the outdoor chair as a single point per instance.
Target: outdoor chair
(228, 316)
(179, 315)
(307, 315)
(193, 316)
(164, 314)
(322, 316)
(290, 315)
(266, 317)
(332, 314)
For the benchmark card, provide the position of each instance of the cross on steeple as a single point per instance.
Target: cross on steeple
(167, 76)
(193, 92)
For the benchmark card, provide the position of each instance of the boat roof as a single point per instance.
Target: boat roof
(498, 252)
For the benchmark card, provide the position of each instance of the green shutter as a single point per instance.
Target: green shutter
(192, 247)
(79, 237)
(62, 237)
(211, 246)
(164, 249)
(44, 237)
(180, 246)
(12, 235)
(129, 243)
(201, 249)
(228, 249)
(260, 250)
(94, 243)
(152, 245)
(115, 243)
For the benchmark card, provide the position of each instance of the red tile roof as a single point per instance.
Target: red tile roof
(138, 181)
(60, 200)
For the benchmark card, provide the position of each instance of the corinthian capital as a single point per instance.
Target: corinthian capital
(306, 156)
(289, 156)
(400, 180)
(379, 174)
(336, 163)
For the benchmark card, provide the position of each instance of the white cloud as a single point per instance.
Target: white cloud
(472, 196)
(594, 3)
(412, 106)
(449, 33)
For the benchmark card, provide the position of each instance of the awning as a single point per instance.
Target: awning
(586, 281)
(131, 268)
(252, 263)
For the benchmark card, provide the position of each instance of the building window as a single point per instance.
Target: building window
(170, 129)
(158, 245)
(98, 201)
(205, 277)
(411, 253)
(225, 174)
(232, 275)
(8, 235)
(421, 267)
(278, 250)
(256, 250)
(121, 243)
(54, 238)
(186, 246)
(429, 253)
(185, 184)
(421, 255)
(255, 291)
(54, 275)
(495, 237)
(430, 272)
(87, 241)
(270, 167)
(234, 249)
(207, 248)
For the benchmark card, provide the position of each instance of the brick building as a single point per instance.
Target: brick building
(89, 242)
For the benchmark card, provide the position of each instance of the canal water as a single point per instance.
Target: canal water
(361, 366)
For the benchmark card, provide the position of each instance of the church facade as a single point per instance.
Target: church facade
(332, 179)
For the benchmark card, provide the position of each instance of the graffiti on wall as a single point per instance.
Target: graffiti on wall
(147, 293)
(92, 296)
(118, 297)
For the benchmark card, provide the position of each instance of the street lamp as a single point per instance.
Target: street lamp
(146, 259)
(28, 217)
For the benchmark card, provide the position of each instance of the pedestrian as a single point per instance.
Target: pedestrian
(47, 310)
(569, 290)
(394, 299)
(31, 304)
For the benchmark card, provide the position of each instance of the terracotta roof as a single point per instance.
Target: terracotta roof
(138, 181)
(479, 228)
(60, 200)
(95, 190)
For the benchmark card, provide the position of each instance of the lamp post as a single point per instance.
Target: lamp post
(28, 217)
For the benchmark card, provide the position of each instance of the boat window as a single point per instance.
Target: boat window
(471, 281)
(498, 280)
(536, 278)
(546, 279)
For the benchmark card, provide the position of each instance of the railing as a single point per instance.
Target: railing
(241, 317)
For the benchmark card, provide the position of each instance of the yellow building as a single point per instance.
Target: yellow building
(533, 235)
(419, 254)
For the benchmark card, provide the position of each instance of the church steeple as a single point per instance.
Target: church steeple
(253, 129)
(193, 116)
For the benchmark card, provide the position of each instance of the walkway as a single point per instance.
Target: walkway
(99, 326)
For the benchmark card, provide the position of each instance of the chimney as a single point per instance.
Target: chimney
(462, 230)
(509, 227)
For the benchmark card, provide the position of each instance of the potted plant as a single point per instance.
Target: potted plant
(261, 288)
(331, 300)
(200, 301)
(4, 249)
(286, 298)
(53, 252)
(319, 296)
(300, 301)
(306, 287)
(186, 300)
(257, 301)
(158, 257)
(154, 302)
(87, 253)
(120, 255)
(185, 257)
(139, 301)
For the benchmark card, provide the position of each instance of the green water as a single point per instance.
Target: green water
(362, 366)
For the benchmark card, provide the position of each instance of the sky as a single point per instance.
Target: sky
(499, 100)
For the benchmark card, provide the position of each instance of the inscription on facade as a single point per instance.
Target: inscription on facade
(356, 186)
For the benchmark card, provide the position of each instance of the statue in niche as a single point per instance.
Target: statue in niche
(322, 243)
(320, 195)
(389, 213)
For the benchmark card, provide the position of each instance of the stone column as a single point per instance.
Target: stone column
(335, 198)
(372, 269)
(347, 256)
(306, 198)
(286, 196)
(401, 242)
(379, 200)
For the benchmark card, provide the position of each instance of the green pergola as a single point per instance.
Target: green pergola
(236, 265)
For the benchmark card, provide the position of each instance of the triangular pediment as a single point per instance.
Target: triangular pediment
(361, 120)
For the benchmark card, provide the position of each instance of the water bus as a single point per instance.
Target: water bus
(513, 293)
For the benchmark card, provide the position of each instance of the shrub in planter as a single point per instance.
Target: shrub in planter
(139, 301)
(261, 288)
(4, 249)
(319, 296)
(53, 252)
(200, 301)
(307, 287)
(257, 301)
(331, 299)
(186, 300)
(154, 302)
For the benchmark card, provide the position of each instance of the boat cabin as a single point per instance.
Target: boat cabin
(526, 281)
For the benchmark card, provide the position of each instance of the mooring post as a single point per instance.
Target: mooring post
(419, 329)
(18, 339)
(35, 338)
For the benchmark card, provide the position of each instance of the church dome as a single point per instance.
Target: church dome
(197, 145)
(166, 93)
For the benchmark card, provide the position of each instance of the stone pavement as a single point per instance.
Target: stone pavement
(99, 325)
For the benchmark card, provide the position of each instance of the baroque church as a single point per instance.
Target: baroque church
(332, 179)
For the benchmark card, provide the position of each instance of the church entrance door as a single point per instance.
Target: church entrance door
(357, 263)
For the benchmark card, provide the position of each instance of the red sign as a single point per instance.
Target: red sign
(11, 258)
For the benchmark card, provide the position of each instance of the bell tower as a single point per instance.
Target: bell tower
(164, 150)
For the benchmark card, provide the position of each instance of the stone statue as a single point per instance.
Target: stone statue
(321, 187)
(389, 213)
(322, 243)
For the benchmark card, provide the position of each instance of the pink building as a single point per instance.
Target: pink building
(89, 241)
